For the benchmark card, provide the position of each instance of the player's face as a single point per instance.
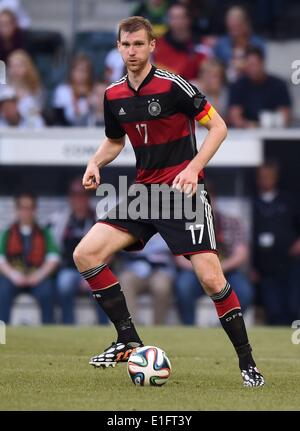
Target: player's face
(135, 49)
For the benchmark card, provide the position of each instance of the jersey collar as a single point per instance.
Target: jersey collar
(145, 82)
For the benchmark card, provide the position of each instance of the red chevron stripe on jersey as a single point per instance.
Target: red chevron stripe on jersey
(162, 176)
(122, 90)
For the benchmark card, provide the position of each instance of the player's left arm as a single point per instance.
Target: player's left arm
(187, 180)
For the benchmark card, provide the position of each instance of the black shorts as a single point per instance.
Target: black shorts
(184, 236)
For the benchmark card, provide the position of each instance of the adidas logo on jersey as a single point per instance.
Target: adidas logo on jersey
(122, 112)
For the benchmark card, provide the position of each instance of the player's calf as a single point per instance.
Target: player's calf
(107, 292)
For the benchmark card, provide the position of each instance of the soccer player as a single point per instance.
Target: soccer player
(157, 110)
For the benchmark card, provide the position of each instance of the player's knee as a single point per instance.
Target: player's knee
(87, 257)
(82, 256)
(212, 282)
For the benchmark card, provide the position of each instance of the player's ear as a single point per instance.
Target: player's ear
(152, 45)
(118, 45)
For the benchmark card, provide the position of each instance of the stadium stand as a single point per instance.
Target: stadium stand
(58, 15)
(287, 51)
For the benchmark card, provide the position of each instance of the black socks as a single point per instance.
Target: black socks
(231, 318)
(113, 302)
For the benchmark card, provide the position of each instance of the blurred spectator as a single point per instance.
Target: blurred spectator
(114, 66)
(231, 49)
(276, 250)
(11, 36)
(179, 51)
(155, 11)
(9, 111)
(74, 102)
(150, 270)
(259, 99)
(25, 80)
(28, 258)
(18, 10)
(201, 12)
(269, 16)
(97, 99)
(9, 114)
(233, 250)
(212, 83)
(68, 228)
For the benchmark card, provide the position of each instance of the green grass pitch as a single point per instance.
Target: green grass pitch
(46, 368)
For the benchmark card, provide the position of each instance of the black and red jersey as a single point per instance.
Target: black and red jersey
(159, 119)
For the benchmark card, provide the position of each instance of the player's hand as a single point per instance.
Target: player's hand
(186, 181)
(91, 177)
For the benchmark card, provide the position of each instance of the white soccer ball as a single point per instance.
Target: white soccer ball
(149, 365)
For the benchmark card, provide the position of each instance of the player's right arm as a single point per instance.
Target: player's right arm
(108, 150)
(106, 153)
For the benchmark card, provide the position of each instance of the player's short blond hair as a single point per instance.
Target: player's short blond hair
(136, 23)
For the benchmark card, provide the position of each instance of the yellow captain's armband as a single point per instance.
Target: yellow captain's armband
(206, 114)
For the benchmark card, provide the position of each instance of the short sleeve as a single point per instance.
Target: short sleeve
(113, 129)
(188, 98)
(191, 101)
